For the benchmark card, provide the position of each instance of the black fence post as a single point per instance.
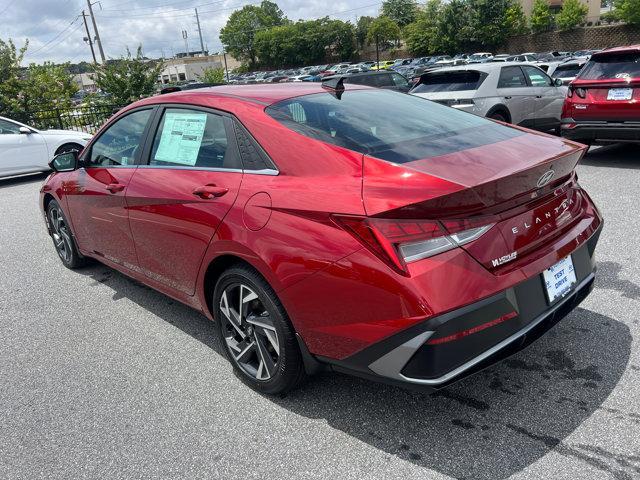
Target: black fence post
(59, 116)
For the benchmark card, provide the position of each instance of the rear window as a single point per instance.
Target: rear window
(392, 126)
(567, 70)
(450, 82)
(619, 65)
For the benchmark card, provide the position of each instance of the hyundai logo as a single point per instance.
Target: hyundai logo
(545, 178)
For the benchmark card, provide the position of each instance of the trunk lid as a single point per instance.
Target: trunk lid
(523, 183)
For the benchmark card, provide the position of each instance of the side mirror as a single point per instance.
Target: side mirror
(65, 162)
(25, 131)
(558, 82)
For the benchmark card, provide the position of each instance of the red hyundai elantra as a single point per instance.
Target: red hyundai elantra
(365, 230)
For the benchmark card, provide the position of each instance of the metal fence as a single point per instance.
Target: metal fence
(80, 119)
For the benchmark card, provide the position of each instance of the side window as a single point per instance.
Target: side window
(511, 77)
(399, 80)
(120, 143)
(8, 128)
(537, 77)
(192, 138)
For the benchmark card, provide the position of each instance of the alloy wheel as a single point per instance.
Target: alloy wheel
(249, 332)
(60, 233)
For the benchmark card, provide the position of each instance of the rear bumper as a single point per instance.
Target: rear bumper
(416, 358)
(594, 131)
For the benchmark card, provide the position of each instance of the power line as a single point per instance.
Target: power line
(54, 38)
(9, 5)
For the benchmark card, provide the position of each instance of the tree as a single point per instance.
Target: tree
(572, 14)
(239, 33)
(362, 28)
(516, 19)
(628, 11)
(402, 12)
(540, 16)
(213, 75)
(383, 30)
(10, 59)
(421, 35)
(488, 21)
(46, 87)
(304, 43)
(453, 27)
(128, 79)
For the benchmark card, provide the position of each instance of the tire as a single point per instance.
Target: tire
(498, 116)
(62, 237)
(261, 345)
(68, 147)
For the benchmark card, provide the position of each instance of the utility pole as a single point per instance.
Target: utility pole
(95, 29)
(185, 35)
(88, 37)
(377, 53)
(226, 70)
(200, 33)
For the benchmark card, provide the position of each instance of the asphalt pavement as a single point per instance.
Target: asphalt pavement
(103, 378)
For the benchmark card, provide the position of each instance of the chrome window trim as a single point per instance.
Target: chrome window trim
(211, 169)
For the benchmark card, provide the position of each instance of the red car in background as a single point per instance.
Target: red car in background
(334, 225)
(603, 102)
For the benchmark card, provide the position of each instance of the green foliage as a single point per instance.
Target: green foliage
(540, 16)
(516, 19)
(46, 87)
(240, 31)
(628, 11)
(488, 24)
(572, 14)
(213, 75)
(402, 12)
(453, 27)
(305, 43)
(421, 36)
(128, 79)
(10, 59)
(362, 28)
(383, 30)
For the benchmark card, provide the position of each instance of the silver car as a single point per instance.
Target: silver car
(512, 92)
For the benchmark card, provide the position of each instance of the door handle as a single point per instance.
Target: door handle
(538, 96)
(115, 187)
(208, 192)
(508, 98)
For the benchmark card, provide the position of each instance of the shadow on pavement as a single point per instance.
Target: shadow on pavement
(618, 156)
(22, 179)
(488, 426)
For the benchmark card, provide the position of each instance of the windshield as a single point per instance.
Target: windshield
(449, 82)
(619, 65)
(387, 125)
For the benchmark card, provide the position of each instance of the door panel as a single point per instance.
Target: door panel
(100, 216)
(548, 98)
(179, 199)
(516, 95)
(172, 227)
(20, 152)
(96, 197)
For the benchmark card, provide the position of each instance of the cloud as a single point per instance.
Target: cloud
(55, 29)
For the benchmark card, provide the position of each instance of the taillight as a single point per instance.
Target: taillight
(399, 242)
(570, 92)
(581, 92)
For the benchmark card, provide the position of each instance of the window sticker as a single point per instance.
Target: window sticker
(181, 138)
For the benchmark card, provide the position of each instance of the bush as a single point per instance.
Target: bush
(572, 14)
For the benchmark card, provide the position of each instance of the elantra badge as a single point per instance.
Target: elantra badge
(545, 178)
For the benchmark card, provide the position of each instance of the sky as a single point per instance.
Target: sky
(55, 28)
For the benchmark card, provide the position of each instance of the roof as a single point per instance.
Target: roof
(266, 93)
(480, 67)
(628, 48)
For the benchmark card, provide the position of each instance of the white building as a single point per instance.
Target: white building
(191, 68)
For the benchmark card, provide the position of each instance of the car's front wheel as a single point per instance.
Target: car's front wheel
(258, 338)
(62, 237)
